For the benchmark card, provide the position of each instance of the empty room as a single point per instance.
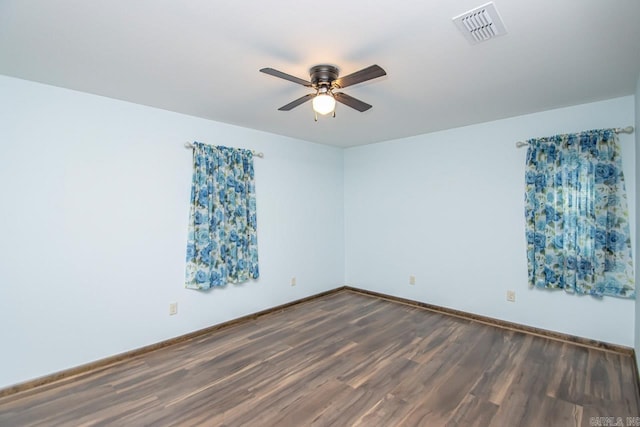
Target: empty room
(339, 213)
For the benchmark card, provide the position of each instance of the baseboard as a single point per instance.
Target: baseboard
(636, 376)
(585, 342)
(88, 368)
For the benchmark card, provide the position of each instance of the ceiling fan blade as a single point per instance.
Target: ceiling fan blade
(351, 102)
(372, 72)
(294, 104)
(280, 74)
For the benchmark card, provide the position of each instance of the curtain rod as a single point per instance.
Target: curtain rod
(255, 153)
(628, 129)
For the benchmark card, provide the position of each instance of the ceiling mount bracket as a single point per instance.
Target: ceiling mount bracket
(323, 75)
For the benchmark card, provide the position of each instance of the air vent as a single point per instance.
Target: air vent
(480, 24)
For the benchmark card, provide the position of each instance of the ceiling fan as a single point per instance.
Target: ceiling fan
(324, 80)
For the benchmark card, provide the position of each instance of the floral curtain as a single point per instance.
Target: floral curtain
(222, 244)
(577, 222)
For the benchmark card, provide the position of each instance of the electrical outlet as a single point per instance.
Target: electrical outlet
(173, 308)
(511, 296)
(412, 280)
(293, 281)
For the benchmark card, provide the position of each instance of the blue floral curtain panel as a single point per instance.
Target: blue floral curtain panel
(576, 215)
(222, 244)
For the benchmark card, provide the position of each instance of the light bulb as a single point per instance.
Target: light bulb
(324, 104)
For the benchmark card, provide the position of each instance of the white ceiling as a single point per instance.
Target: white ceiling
(201, 57)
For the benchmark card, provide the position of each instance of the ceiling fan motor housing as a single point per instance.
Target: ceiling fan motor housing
(323, 75)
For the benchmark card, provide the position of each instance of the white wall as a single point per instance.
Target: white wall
(448, 207)
(94, 207)
(637, 257)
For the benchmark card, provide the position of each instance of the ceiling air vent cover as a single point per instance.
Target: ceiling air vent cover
(480, 24)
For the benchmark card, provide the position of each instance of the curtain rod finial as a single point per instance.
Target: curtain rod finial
(628, 129)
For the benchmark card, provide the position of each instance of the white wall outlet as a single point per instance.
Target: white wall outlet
(511, 296)
(293, 281)
(412, 280)
(173, 308)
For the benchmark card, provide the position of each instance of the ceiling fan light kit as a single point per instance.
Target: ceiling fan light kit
(324, 104)
(325, 79)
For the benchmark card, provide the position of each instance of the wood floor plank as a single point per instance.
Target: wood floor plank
(344, 359)
(472, 411)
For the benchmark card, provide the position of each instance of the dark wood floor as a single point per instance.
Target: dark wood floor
(343, 360)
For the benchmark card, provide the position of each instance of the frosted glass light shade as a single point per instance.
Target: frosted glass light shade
(324, 104)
